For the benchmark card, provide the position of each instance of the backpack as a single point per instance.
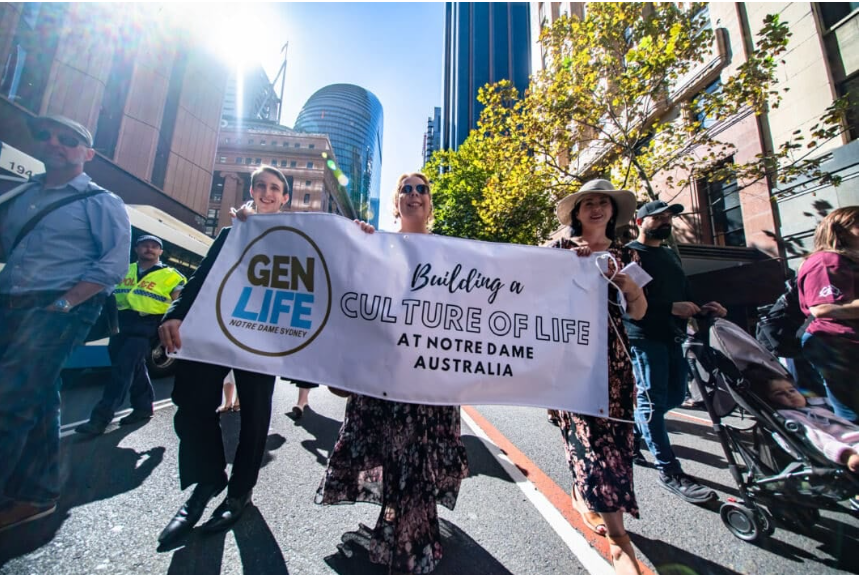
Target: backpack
(781, 325)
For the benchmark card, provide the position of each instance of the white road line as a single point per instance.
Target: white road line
(593, 562)
(69, 428)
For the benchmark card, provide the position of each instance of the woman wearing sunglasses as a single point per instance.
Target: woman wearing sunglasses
(402, 456)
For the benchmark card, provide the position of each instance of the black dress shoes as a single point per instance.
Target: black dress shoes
(227, 513)
(190, 513)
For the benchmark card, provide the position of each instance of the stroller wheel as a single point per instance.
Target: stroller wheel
(744, 523)
(766, 522)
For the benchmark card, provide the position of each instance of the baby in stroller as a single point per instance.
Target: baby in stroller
(835, 437)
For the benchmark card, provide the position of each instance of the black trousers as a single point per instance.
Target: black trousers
(197, 395)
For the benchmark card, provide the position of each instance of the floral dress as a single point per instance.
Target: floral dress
(405, 457)
(600, 451)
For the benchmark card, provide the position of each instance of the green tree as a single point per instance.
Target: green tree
(488, 189)
(610, 104)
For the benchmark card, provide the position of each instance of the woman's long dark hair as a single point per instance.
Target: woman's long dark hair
(576, 225)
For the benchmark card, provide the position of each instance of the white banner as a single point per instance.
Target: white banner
(416, 318)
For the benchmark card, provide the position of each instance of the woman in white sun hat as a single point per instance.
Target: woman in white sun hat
(599, 450)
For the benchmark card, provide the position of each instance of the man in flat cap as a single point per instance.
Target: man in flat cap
(65, 242)
(141, 299)
(655, 345)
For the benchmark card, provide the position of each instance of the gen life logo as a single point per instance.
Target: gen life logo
(276, 299)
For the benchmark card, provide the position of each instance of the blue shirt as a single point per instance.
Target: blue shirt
(88, 240)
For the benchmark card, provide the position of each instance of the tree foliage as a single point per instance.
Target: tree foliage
(615, 101)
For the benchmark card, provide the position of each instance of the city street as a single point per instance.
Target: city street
(513, 514)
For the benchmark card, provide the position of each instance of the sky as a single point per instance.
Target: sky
(394, 50)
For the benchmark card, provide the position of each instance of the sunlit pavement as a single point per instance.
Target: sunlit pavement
(122, 488)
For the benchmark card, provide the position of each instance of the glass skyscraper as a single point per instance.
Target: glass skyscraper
(484, 43)
(352, 118)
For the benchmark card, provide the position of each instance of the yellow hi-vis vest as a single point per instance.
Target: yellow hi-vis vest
(150, 295)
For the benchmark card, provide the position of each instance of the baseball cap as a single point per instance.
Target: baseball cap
(77, 128)
(149, 238)
(658, 207)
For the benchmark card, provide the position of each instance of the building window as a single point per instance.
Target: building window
(307, 199)
(307, 183)
(839, 31)
(283, 163)
(704, 120)
(262, 142)
(274, 162)
(249, 161)
(285, 144)
(223, 159)
(297, 145)
(258, 161)
(311, 146)
(213, 213)
(310, 165)
(251, 142)
(723, 222)
(293, 164)
(832, 13)
(238, 160)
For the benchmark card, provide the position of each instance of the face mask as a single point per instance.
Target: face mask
(660, 233)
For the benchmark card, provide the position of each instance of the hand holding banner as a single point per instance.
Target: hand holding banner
(405, 317)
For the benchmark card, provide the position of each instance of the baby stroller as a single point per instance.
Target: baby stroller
(779, 473)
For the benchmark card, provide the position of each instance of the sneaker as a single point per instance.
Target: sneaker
(20, 512)
(91, 428)
(686, 488)
(136, 416)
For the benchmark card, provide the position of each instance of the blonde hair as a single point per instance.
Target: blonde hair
(403, 178)
(832, 233)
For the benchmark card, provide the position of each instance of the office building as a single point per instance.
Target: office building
(303, 158)
(150, 94)
(433, 135)
(250, 95)
(352, 119)
(484, 43)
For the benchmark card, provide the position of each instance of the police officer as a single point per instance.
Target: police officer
(142, 298)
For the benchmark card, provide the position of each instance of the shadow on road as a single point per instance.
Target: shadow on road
(258, 549)
(231, 422)
(93, 469)
(324, 429)
(670, 560)
(461, 554)
(482, 459)
(838, 540)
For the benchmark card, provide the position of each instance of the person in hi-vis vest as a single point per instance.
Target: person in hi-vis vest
(142, 298)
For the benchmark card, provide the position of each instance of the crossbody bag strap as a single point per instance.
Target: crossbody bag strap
(28, 227)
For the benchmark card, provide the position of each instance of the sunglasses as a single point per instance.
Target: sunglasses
(67, 141)
(420, 188)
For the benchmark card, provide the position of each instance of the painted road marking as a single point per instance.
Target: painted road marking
(69, 428)
(551, 501)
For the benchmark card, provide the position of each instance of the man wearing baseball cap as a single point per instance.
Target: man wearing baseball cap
(142, 298)
(655, 344)
(65, 243)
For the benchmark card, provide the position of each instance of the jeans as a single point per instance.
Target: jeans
(661, 371)
(34, 345)
(835, 358)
